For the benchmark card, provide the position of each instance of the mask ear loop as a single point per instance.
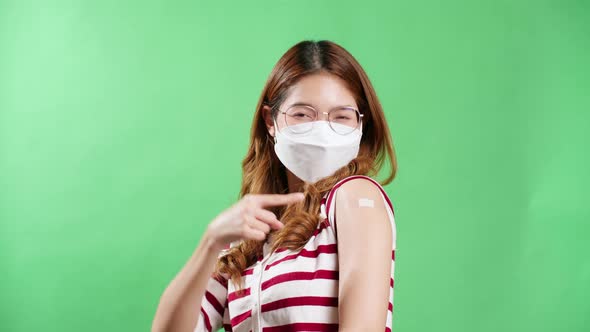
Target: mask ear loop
(276, 128)
(360, 128)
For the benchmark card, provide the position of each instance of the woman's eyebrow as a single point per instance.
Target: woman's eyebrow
(310, 105)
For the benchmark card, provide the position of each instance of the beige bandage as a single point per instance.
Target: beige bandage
(365, 202)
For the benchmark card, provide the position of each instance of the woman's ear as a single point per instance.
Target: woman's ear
(267, 115)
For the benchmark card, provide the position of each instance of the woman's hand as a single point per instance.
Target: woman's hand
(247, 219)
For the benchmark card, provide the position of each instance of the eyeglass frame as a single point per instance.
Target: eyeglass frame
(360, 117)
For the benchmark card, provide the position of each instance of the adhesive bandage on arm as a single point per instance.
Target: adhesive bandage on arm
(365, 202)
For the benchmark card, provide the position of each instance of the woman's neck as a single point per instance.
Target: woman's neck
(295, 184)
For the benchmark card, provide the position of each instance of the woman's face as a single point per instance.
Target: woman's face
(322, 91)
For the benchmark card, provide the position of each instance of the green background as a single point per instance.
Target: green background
(123, 125)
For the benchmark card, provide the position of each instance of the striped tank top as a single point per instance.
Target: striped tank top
(288, 290)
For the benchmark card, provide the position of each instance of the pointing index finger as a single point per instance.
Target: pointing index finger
(280, 199)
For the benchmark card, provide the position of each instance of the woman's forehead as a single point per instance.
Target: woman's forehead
(321, 91)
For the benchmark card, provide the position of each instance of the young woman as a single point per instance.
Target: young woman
(310, 245)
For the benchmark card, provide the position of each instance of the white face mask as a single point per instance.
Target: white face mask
(317, 153)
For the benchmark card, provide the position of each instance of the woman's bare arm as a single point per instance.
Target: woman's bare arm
(364, 257)
(181, 301)
(248, 219)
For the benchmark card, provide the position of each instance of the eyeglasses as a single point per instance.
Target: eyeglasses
(299, 119)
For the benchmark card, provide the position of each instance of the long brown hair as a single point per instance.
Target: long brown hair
(263, 173)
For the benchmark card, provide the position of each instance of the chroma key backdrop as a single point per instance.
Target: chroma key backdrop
(123, 125)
